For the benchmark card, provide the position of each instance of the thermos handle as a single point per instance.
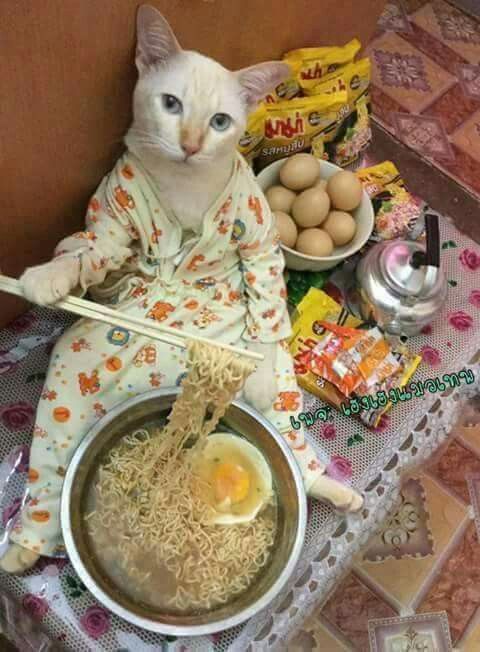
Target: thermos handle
(431, 257)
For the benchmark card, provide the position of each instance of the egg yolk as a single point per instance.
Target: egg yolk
(231, 482)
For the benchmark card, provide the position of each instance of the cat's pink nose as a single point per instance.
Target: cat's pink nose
(190, 147)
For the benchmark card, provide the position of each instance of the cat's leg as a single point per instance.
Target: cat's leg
(287, 405)
(91, 370)
(61, 422)
(261, 386)
(18, 559)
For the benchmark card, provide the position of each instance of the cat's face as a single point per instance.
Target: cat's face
(187, 107)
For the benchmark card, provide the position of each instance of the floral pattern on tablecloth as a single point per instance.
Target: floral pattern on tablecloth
(53, 594)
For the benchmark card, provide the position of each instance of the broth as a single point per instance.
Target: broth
(198, 577)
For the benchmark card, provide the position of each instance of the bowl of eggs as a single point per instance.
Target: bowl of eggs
(322, 212)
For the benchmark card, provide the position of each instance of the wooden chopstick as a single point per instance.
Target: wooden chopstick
(139, 325)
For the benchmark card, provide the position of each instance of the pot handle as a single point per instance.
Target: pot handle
(431, 257)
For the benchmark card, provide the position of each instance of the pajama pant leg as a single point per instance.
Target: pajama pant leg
(92, 370)
(83, 383)
(288, 404)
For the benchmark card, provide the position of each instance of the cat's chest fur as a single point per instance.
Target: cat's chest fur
(189, 195)
(188, 205)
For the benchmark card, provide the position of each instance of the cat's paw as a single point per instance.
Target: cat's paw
(260, 387)
(17, 560)
(341, 497)
(46, 284)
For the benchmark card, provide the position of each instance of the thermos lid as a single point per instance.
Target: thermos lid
(410, 270)
(398, 272)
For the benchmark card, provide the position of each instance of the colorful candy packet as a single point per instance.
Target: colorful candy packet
(315, 64)
(299, 125)
(341, 362)
(397, 213)
(251, 141)
(354, 134)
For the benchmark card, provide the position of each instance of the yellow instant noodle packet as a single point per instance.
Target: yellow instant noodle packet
(393, 367)
(288, 89)
(307, 331)
(397, 212)
(302, 124)
(317, 63)
(354, 134)
(251, 141)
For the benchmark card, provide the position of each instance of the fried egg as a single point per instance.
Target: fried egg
(234, 478)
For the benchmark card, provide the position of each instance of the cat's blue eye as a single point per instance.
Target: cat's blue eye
(171, 104)
(221, 121)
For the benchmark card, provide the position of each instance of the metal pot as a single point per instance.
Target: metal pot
(400, 285)
(292, 515)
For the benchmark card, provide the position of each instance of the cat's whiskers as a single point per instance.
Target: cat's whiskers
(146, 140)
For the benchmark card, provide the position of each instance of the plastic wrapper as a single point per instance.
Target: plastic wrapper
(17, 626)
(19, 631)
(251, 142)
(303, 124)
(318, 63)
(333, 123)
(348, 357)
(397, 213)
(346, 365)
(289, 88)
(307, 332)
(354, 134)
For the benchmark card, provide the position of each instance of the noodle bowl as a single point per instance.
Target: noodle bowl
(148, 506)
(249, 569)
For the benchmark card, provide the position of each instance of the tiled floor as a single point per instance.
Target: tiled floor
(471, 7)
(416, 586)
(426, 83)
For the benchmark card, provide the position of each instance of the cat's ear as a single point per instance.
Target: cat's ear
(156, 41)
(257, 81)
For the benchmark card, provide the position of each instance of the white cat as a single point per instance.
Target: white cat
(189, 113)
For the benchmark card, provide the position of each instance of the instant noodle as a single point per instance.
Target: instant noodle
(344, 364)
(288, 89)
(354, 134)
(307, 332)
(302, 124)
(314, 64)
(397, 213)
(251, 141)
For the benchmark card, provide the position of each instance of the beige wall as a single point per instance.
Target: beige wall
(66, 75)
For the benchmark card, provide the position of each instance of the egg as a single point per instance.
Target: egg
(311, 207)
(314, 242)
(235, 479)
(345, 190)
(340, 226)
(280, 198)
(322, 184)
(300, 171)
(286, 227)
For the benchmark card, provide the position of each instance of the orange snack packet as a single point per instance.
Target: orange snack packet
(347, 356)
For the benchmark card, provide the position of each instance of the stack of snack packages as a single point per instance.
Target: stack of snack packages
(323, 108)
(348, 364)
